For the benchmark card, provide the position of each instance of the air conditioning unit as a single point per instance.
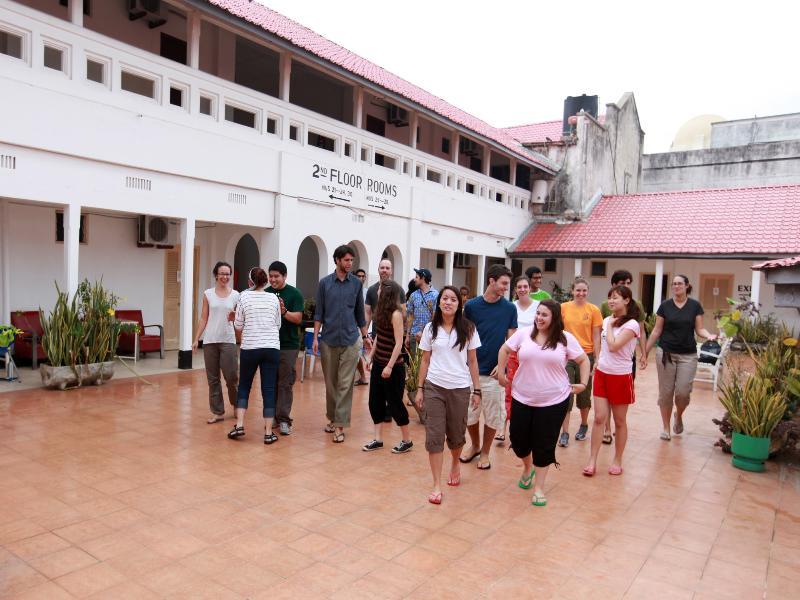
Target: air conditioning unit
(468, 147)
(148, 9)
(156, 231)
(461, 261)
(397, 116)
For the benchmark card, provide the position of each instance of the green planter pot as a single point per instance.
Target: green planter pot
(749, 453)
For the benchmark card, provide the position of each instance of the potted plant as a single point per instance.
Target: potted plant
(80, 337)
(755, 407)
(412, 372)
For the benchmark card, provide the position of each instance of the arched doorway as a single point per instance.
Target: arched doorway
(245, 258)
(360, 260)
(392, 252)
(311, 266)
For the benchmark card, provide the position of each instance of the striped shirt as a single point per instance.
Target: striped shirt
(384, 344)
(258, 315)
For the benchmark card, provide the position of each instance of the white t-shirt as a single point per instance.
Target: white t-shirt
(525, 318)
(258, 315)
(541, 379)
(219, 330)
(619, 362)
(448, 367)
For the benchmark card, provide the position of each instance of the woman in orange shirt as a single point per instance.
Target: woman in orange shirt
(583, 320)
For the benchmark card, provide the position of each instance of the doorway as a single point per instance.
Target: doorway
(172, 295)
(647, 285)
(715, 289)
(245, 258)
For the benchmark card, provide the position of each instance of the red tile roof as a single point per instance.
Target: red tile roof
(777, 264)
(748, 222)
(284, 27)
(537, 133)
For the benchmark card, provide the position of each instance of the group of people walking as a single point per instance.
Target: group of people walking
(517, 367)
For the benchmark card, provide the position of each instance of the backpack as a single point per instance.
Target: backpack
(713, 347)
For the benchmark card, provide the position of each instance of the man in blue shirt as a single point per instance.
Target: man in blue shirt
(495, 319)
(340, 313)
(420, 306)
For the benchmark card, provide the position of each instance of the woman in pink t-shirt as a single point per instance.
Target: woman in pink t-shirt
(540, 391)
(613, 379)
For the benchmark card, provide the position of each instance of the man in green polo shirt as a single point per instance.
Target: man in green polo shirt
(535, 276)
(291, 301)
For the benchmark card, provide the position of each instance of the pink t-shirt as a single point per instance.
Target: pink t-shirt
(541, 379)
(619, 362)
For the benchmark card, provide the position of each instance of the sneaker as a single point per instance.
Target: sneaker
(563, 439)
(403, 446)
(373, 445)
(286, 429)
(581, 435)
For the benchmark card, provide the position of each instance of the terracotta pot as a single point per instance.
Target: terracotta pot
(62, 378)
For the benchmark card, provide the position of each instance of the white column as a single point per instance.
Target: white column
(755, 289)
(480, 280)
(285, 76)
(193, 35)
(187, 301)
(5, 265)
(512, 176)
(448, 268)
(487, 160)
(72, 226)
(578, 267)
(76, 12)
(658, 287)
(454, 146)
(358, 110)
(412, 126)
(510, 293)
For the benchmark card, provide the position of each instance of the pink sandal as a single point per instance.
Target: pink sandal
(435, 498)
(589, 471)
(454, 481)
(615, 470)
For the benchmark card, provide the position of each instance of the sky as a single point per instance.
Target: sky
(513, 62)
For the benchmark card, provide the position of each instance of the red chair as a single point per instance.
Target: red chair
(129, 343)
(29, 344)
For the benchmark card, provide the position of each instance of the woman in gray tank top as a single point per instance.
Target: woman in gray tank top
(219, 341)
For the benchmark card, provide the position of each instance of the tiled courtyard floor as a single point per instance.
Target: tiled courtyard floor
(124, 492)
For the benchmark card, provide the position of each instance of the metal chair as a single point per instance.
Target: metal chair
(7, 356)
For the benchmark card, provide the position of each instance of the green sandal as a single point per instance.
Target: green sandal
(526, 482)
(538, 500)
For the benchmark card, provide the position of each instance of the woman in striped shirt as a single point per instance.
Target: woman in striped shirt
(388, 376)
(258, 319)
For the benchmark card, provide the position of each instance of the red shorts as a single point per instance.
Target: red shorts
(617, 389)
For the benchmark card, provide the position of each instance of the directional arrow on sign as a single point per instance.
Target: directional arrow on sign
(332, 197)
(381, 206)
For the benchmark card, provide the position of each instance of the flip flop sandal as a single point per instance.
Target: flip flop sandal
(607, 439)
(338, 438)
(484, 466)
(664, 435)
(215, 419)
(470, 459)
(539, 500)
(677, 426)
(454, 481)
(435, 498)
(500, 437)
(614, 470)
(329, 428)
(526, 482)
(589, 471)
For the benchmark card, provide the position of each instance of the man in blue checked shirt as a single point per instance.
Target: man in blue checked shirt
(420, 307)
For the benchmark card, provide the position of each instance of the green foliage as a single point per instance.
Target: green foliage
(309, 306)
(649, 323)
(754, 406)
(560, 294)
(7, 335)
(82, 330)
(412, 372)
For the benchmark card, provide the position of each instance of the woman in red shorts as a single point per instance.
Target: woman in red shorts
(613, 380)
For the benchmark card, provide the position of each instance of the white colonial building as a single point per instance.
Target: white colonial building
(143, 140)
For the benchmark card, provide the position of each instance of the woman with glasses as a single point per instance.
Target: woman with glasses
(678, 319)
(219, 341)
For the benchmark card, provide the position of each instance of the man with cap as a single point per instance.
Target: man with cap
(420, 307)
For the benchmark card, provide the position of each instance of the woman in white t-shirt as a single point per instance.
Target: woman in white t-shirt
(449, 365)
(541, 391)
(219, 341)
(613, 378)
(258, 318)
(526, 313)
